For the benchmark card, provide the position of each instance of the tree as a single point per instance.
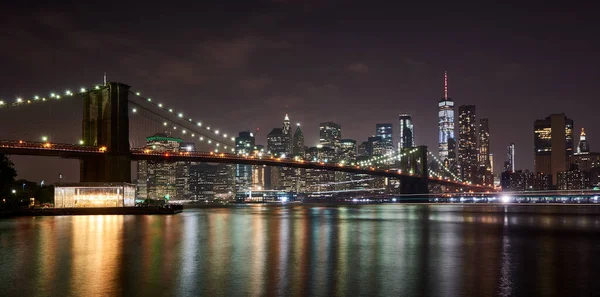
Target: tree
(7, 175)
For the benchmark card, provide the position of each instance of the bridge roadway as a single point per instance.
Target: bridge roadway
(71, 151)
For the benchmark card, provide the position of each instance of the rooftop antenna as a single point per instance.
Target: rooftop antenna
(446, 85)
(105, 78)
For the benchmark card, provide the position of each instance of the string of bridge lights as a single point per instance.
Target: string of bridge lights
(193, 135)
(180, 116)
(52, 96)
(386, 158)
(393, 157)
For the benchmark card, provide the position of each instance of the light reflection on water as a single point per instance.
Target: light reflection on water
(305, 250)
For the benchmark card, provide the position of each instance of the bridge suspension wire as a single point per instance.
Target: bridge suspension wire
(443, 167)
(217, 134)
(57, 121)
(178, 130)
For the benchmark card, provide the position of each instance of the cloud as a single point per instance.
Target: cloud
(358, 68)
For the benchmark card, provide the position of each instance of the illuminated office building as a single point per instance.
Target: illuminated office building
(330, 134)
(384, 131)
(553, 145)
(406, 131)
(467, 143)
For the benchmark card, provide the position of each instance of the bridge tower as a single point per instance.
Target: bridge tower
(106, 124)
(416, 163)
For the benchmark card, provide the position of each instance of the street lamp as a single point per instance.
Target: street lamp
(14, 191)
(44, 138)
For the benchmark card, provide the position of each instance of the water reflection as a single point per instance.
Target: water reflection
(303, 250)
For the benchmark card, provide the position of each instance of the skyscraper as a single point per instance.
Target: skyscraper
(348, 150)
(364, 149)
(467, 143)
(330, 134)
(384, 131)
(485, 165)
(553, 142)
(157, 180)
(298, 147)
(509, 165)
(244, 146)
(286, 131)
(275, 144)
(450, 162)
(183, 180)
(583, 146)
(406, 131)
(484, 143)
(377, 146)
(584, 159)
(445, 121)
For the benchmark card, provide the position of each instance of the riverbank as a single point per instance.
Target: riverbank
(175, 209)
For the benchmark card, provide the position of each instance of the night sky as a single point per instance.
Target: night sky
(246, 64)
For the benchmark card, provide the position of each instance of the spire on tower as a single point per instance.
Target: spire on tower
(286, 117)
(446, 85)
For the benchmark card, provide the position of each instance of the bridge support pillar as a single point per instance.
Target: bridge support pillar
(106, 124)
(417, 164)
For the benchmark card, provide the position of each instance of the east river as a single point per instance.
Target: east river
(307, 250)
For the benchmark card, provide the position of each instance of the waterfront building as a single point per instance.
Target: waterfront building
(87, 195)
(155, 179)
(574, 179)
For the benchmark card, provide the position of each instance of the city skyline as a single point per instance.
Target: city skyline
(513, 77)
